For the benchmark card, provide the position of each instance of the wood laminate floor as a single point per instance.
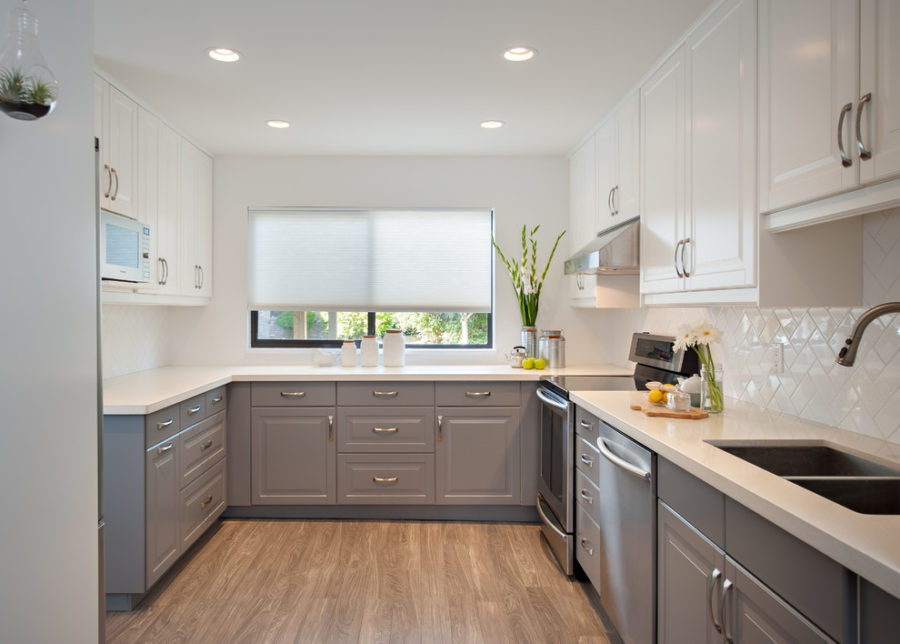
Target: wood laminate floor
(364, 581)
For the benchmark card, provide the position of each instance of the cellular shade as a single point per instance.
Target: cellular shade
(370, 260)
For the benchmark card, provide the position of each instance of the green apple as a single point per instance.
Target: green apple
(540, 363)
(528, 363)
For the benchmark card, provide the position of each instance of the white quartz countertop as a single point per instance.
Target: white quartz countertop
(147, 391)
(866, 544)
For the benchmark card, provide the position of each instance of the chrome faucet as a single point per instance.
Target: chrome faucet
(847, 355)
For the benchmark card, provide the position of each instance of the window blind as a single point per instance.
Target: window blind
(370, 260)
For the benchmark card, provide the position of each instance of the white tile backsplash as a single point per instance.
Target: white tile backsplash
(134, 338)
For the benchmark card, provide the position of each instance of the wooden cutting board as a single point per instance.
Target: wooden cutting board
(654, 410)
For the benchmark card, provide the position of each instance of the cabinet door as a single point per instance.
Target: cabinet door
(662, 177)
(880, 77)
(582, 196)
(808, 69)
(190, 218)
(721, 100)
(122, 152)
(606, 177)
(162, 509)
(753, 613)
(204, 225)
(294, 456)
(690, 573)
(101, 131)
(628, 147)
(478, 456)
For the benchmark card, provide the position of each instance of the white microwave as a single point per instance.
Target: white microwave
(124, 248)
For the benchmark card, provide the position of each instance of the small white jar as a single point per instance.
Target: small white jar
(368, 351)
(348, 353)
(394, 348)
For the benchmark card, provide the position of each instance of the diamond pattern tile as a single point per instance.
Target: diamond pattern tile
(134, 338)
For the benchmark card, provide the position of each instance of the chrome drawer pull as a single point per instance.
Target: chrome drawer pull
(586, 424)
(714, 579)
(727, 586)
(193, 410)
(385, 394)
(385, 479)
(217, 400)
(293, 394)
(206, 502)
(587, 497)
(587, 547)
(331, 429)
(206, 445)
(160, 426)
(478, 394)
(587, 460)
(165, 448)
(385, 430)
(440, 420)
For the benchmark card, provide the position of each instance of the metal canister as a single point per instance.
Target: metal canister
(552, 348)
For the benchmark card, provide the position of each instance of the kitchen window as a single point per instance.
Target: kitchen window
(317, 276)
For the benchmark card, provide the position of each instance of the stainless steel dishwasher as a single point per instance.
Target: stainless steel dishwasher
(627, 521)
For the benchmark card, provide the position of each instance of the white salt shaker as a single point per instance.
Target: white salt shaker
(394, 348)
(348, 353)
(368, 351)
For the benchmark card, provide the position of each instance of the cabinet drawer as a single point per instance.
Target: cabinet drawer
(386, 479)
(161, 425)
(472, 394)
(192, 410)
(587, 459)
(586, 425)
(291, 394)
(216, 400)
(588, 495)
(201, 502)
(587, 544)
(201, 446)
(385, 393)
(385, 429)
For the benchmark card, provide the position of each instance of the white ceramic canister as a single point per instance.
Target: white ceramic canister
(394, 345)
(368, 351)
(348, 353)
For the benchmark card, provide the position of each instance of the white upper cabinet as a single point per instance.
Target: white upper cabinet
(196, 221)
(605, 141)
(115, 125)
(582, 196)
(626, 197)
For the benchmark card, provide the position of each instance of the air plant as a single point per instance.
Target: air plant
(13, 85)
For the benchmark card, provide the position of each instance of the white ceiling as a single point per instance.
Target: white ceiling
(385, 76)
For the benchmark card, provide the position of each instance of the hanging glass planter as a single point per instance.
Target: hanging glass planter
(28, 89)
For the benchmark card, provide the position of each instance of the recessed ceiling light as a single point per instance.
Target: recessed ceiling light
(224, 55)
(279, 125)
(491, 125)
(519, 54)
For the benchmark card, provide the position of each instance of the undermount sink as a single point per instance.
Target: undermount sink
(852, 481)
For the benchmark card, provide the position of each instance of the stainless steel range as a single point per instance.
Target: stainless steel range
(655, 360)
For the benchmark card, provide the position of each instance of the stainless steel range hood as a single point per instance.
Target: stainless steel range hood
(615, 251)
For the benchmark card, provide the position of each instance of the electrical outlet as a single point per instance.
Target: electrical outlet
(775, 358)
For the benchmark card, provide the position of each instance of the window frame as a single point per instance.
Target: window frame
(257, 343)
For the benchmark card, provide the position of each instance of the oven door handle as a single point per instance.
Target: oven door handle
(544, 397)
(621, 462)
(546, 519)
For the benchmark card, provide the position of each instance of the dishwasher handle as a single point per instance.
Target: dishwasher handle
(620, 462)
(553, 403)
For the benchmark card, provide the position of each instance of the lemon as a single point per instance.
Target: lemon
(655, 396)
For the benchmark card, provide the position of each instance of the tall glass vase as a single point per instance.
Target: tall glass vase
(529, 341)
(712, 398)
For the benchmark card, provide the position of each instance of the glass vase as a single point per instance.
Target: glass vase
(712, 398)
(529, 341)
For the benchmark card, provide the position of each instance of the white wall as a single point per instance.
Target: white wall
(522, 190)
(48, 437)
(135, 338)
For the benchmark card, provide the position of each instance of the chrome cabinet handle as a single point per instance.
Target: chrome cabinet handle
(160, 271)
(609, 202)
(440, 428)
(687, 241)
(477, 394)
(549, 401)
(864, 153)
(587, 497)
(675, 259)
(116, 192)
(727, 586)
(108, 180)
(579, 281)
(206, 502)
(165, 265)
(385, 479)
(385, 430)
(217, 400)
(165, 448)
(615, 200)
(713, 580)
(587, 460)
(206, 445)
(586, 424)
(193, 410)
(293, 394)
(202, 277)
(385, 394)
(331, 428)
(845, 160)
(587, 547)
(620, 462)
(160, 426)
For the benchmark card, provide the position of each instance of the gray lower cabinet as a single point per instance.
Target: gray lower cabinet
(162, 474)
(478, 456)
(294, 455)
(386, 479)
